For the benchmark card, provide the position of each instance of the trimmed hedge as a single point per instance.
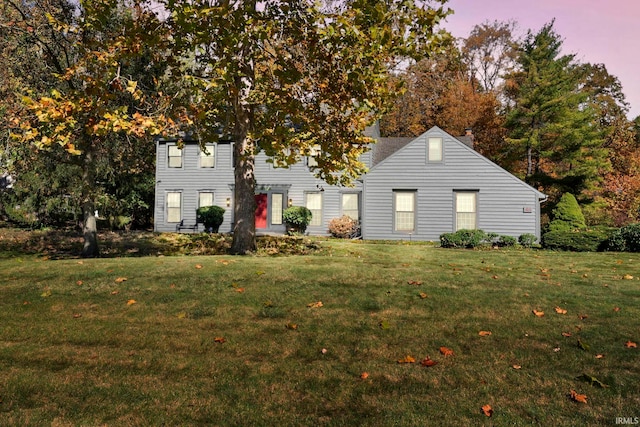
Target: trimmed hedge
(577, 241)
(464, 239)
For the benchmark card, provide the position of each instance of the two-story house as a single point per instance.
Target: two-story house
(416, 188)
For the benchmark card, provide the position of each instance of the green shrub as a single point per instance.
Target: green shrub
(631, 235)
(464, 239)
(211, 217)
(615, 242)
(577, 241)
(567, 215)
(527, 240)
(344, 227)
(297, 219)
(506, 241)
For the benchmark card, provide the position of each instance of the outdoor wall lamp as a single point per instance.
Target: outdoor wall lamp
(290, 203)
(228, 201)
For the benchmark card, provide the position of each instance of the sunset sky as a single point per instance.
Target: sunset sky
(597, 31)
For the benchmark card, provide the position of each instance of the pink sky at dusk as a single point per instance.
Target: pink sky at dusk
(606, 32)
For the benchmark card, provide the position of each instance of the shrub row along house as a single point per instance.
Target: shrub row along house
(416, 188)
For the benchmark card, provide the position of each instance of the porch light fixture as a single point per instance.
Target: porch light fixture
(228, 201)
(290, 203)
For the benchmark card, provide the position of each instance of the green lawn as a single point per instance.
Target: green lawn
(284, 341)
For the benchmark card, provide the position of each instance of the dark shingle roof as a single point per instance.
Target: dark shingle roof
(385, 147)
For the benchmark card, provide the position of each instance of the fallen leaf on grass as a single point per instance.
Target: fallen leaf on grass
(516, 367)
(487, 410)
(131, 302)
(219, 340)
(77, 316)
(446, 351)
(181, 315)
(566, 334)
(631, 344)
(198, 266)
(538, 313)
(423, 295)
(120, 279)
(415, 282)
(583, 346)
(627, 277)
(616, 309)
(560, 310)
(79, 283)
(46, 293)
(582, 398)
(317, 304)
(407, 359)
(484, 333)
(115, 292)
(592, 380)
(428, 362)
(582, 316)
(364, 375)
(291, 326)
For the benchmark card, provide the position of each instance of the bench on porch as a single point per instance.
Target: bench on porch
(183, 226)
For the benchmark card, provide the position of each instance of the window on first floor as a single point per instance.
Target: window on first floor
(276, 208)
(314, 204)
(404, 210)
(174, 206)
(466, 210)
(205, 198)
(350, 205)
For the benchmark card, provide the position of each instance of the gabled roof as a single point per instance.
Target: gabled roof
(385, 147)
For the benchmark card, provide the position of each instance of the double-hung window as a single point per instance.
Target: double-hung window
(314, 204)
(174, 206)
(350, 206)
(174, 156)
(404, 205)
(208, 156)
(311, 159)
(466, 210)
(205, 198)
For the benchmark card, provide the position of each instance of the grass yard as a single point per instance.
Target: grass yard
(317, 339)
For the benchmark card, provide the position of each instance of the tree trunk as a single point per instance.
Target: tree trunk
(89, 226)
(89, 232)
(244, 208)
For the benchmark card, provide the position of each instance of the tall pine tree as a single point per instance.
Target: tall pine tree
(553, 137)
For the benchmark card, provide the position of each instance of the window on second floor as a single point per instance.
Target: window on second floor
(208, 156)
(175, 156)
(434, 150)
(311, 159)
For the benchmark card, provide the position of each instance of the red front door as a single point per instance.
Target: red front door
(261, 211)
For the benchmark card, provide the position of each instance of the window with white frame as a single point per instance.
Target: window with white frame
(175, 156)
(350, 205)
(404, 210)
(466, 210)
(314, 204)
(205, 198)
(435, 149)
(311, 159)
(276, 208)
(174, 206)
(208, 156)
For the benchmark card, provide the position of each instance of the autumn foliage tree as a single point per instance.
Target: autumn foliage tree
(285, 76)
(86, 116)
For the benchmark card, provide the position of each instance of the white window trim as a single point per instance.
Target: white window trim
(169, 156)
(200, 192)
(456, 212)
(439, 157)
(167, 207)
(395, 211)
(212, 149)
(342, 210)
(315, 222)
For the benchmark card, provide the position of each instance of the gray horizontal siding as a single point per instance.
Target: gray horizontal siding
(501, 202)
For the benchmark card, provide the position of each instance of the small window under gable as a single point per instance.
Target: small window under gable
(434, 149)
(175, 156)
(208, 156)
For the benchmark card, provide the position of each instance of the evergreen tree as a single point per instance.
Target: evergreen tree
(553, 138)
